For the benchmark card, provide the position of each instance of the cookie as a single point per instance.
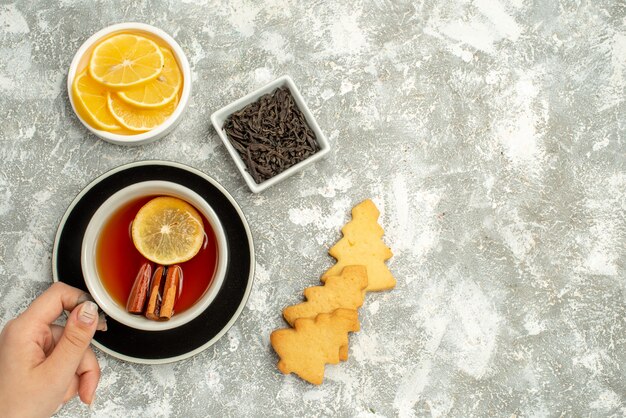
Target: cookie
(343, 352)
(341, 291)
(362, 244)
(313, 343)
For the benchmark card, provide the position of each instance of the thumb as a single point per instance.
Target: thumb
(70, 348)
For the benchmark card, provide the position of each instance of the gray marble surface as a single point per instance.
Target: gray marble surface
(490, 133)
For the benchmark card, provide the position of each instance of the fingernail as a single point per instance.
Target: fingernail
(88, 312)
(102, 322)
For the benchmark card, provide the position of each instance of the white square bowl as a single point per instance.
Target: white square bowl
(219, 117)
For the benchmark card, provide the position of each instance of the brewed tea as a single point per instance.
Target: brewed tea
(118, 261)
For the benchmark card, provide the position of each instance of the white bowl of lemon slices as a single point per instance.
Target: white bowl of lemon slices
(129, 83)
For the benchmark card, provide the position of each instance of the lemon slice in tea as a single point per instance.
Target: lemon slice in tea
(168, 230)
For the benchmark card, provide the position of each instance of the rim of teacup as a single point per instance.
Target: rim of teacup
(94, 229)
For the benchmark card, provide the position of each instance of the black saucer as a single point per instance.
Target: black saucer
(175, 344)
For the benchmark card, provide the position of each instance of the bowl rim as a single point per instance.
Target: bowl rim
(219, 116)
(90, 242)
(165, 127)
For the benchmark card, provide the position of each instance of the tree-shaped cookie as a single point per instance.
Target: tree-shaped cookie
(341, 291)
(313, 343)
(362, 244)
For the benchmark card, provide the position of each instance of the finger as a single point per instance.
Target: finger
(51, 303)
(57, 332)
(102, 322)
(62, 363)
(89, 374)
(72, 389)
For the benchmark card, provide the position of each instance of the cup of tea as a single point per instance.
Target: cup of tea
(111, 262)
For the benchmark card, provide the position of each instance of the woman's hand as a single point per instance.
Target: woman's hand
(42, 366)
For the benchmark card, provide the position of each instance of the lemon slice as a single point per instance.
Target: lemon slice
(125, 60)
(161, 90)
(168, 230)
(137, 119)
(90, 99)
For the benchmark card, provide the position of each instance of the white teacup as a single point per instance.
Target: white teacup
(94, 229)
